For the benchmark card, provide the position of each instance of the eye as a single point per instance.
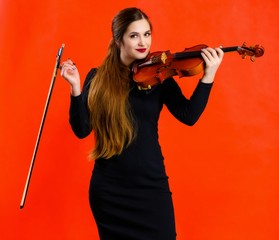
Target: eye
(134, 35)
(147, 34)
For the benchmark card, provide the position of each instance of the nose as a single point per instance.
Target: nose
(141, 40)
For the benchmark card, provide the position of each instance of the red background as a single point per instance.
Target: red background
(223, 171)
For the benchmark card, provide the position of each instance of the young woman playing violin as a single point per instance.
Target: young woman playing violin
(129, 192)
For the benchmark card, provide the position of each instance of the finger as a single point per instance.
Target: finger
(205, 58)
(220, 53)
(68, 62)
(215, 55)
(212, 52)
(62, 70)
(209, 53)
(68, 65)
(72, 64)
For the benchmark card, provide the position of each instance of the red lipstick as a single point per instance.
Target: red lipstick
(142, 50)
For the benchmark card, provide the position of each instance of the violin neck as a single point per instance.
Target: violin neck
(195, 54)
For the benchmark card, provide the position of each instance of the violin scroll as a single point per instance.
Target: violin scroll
(253, 51)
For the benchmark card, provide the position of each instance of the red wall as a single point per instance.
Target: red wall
(223, 171)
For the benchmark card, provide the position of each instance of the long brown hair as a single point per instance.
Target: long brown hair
(110, 113)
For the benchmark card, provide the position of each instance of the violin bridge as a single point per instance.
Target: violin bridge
(164, 57)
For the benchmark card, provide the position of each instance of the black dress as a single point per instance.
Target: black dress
(129, 194)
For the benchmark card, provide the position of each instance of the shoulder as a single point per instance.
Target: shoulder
(90, 75)
(86, 85)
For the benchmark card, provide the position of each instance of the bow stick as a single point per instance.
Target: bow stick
(57, 65)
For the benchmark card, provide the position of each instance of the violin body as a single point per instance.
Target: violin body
(158, 66)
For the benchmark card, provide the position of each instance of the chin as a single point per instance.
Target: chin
(142, 56)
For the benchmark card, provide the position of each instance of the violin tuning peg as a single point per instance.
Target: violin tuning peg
(253, 58)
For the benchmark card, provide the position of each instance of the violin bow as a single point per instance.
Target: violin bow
(57, 65)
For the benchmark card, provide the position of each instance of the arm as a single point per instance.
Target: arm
(79, 115)
(188, 111)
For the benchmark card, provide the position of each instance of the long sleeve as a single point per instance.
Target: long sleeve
(186, 110)
(78, 114)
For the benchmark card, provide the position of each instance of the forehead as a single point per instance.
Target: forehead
(138, 26)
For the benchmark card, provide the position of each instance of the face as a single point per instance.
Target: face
(136, 42)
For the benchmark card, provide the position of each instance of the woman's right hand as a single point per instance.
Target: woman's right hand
(70, 73)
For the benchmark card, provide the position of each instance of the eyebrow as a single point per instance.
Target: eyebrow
(131, 33)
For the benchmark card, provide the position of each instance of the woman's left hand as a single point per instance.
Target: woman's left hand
(213, 58)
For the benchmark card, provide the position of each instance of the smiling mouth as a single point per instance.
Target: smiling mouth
(141, 50)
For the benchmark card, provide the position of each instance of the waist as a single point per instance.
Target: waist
(108, 174)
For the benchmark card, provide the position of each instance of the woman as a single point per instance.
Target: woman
(129, 192)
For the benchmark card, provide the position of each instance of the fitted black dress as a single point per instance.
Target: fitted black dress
(129, 194)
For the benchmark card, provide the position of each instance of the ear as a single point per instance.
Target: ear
(118, 43)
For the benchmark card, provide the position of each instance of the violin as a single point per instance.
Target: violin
(160, 65)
